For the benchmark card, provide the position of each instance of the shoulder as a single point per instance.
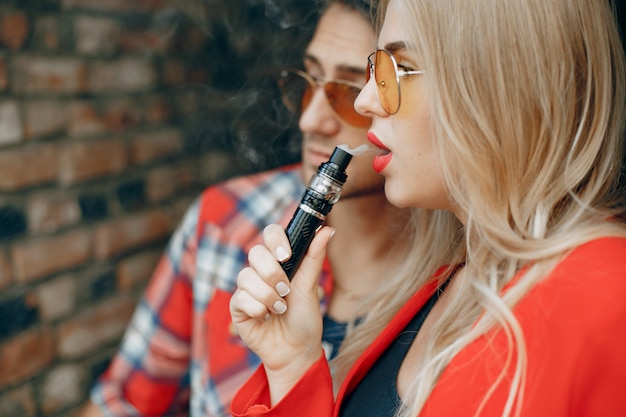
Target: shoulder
(241, 186)
(257, 192)
(587, 289)
(595, 263)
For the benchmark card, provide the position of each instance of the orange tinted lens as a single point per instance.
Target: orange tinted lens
(307, 96)
(295, 90)
(386, 82)
(341, 98)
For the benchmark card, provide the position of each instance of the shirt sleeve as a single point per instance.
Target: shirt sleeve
(312, 396)
(149, 375)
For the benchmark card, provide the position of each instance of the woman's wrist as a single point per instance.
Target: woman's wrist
(282, 380)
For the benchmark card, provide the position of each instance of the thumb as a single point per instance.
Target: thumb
(308, 274)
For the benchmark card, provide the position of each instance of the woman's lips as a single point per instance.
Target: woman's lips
(383, 158)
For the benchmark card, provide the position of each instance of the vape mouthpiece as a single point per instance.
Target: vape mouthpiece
(340, 158)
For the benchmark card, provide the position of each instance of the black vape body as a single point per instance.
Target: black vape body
(323, 190)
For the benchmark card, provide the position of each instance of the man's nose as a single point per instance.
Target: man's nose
(318, 117)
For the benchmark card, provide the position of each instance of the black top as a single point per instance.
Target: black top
(377, 394)
(333, 334)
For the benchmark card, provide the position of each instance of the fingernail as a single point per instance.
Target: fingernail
(282, 289)
(280, 307)
(281, 254)
(333, 232)
(267, 317)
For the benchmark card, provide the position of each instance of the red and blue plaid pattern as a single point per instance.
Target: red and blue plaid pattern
(180, 355)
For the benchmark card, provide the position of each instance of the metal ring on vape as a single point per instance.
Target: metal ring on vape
(312, 212)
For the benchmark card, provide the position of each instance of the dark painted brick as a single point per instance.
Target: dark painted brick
(132, 195)
(97, 369)
(103, 285)
(12, 222)
(16, 315)
(93, 207)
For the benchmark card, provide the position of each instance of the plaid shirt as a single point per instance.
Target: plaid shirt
(180, 355)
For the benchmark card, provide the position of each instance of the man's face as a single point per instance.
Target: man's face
(338, 51)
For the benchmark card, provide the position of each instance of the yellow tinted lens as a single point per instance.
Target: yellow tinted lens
(386, 82)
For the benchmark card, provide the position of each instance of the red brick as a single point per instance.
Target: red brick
(164, 182)
(135, 271)
(99, 325)
(56, 298)
(156, 110)
(37, 74)
(122, 114)
(14, 27)
(6, 275)
(216, 165)
(97, 5)
(194, 41)
(85, 119)
(180, 206)
(38, 258)
(174, 72)
(28, 166)
(161, 184)
(120, 235)
(126, 74)
(18, 402)
(26, 355)
(142, 41)
(116, 5)
(51, 212)
(4, 79)
(10, 122)
(45, 117)
(96, 36)
(156, 145)
(46, 33)
(81, 161)
(62, 387)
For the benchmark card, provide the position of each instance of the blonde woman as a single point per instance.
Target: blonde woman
(502, 122)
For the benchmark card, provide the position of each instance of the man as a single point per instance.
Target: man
(180, 354)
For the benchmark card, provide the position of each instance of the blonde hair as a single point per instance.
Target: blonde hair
(527, 99)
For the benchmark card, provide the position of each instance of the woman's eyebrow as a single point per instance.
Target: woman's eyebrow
(396, 46)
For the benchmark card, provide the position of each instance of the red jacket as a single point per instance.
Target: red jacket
(574, 323)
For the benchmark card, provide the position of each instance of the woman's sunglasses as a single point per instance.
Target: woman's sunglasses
(383, 67)
(297, 89)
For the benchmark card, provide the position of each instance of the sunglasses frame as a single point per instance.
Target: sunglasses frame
(398, 73)
(315, 83)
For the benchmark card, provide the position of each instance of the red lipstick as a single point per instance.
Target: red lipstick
(382, 159)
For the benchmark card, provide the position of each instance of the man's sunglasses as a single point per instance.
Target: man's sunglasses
(297, 89)
(382, 66)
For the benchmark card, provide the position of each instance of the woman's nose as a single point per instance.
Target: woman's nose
(367, 103)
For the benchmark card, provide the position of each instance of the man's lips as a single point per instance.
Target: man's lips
(316, 157)
(384, 157)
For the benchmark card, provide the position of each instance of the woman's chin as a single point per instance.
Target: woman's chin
(397, 197)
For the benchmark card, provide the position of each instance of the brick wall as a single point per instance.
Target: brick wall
(114, 114)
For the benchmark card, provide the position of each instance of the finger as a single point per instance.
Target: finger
(308, 274)
(264, 262)
(276, 240)
(249, 281)
(244, 306)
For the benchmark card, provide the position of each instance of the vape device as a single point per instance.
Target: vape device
(323, 190)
